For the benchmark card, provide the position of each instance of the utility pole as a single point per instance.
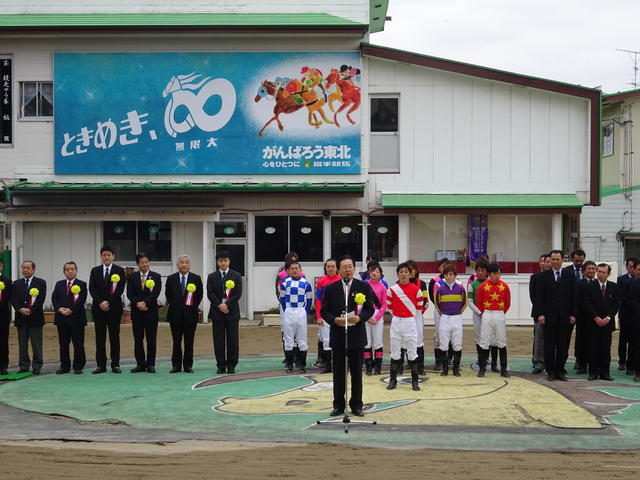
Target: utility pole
(634, 57)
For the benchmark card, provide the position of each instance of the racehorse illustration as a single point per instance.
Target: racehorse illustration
(290, 98)
(343, 78)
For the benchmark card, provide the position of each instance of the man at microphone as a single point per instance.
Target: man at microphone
(359, 309)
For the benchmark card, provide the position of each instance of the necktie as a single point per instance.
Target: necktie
(143, 279)
(26, 283)
(223, 276)
(602, 289)
(106, 275)
(68, 286)
(577, 274)
(183, 284)
(557, 276)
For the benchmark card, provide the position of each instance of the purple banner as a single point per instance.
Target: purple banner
(478, 234)
(6, 81)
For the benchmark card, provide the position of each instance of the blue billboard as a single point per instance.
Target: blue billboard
(175, 113)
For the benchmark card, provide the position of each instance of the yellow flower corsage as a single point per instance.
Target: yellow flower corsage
(1, 286)
(34, 292)
(149, 284)
(360, 298)
(191, 288)
(115, 278)
(75, 289)
(229, 284)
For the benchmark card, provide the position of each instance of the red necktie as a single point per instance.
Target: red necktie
(68, 287)
(602, 289)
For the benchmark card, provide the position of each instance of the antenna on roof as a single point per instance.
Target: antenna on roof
(633, 54)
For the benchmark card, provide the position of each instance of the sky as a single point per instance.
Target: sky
(571, 41)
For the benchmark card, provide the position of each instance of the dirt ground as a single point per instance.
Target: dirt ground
(232, 460)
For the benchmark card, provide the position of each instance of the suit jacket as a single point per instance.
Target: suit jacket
(5, 300)
(216, 292)
(556, 301)
(175, 298)
(21, 298)
(625, 294)
(583, 286)
(333, 306)
(572, 270)
(533, 283)
(633, 310)
(60, 298)
(599, 306)
(101, 291)
(137, 293)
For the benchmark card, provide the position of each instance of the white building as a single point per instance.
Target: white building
(444, 159)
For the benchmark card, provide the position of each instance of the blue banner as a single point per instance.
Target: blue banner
(478, 236)
(273, 113)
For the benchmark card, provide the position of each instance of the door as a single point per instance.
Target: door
(236, 249)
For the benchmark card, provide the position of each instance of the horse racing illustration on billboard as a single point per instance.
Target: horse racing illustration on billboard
(207, 113)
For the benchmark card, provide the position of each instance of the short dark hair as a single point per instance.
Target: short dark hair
(371, 259)
(288, 257)
(222, 254)
(587, 263)
(450, 267)
(346, 257)
(327, 261)
(544, 255)
(633, 260)
(70, 262)
(140, 256)
(560, 252)
(33, 264)
(605, 265)
(403, 265)
(106, 248)
(293, 262)
(373, 266)
(578, 252)
(494, 268)
(484, 265)
(413, 266)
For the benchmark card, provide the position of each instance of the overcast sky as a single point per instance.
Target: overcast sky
(572, 41)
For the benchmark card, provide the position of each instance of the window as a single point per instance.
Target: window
(607, 140)
(129, 238)
(346, 237)
(631, 247)
(36, 99)
(277, 235)
(230, 229)
(385, 140)
(382, 238)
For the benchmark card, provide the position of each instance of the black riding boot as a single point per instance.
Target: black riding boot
(414, 375)
(494, 359)
(377, 363)
(403, 353)
(289, 357)
(438, 362)
(368, 364)
(445, 363)
(393, 370)
(318, 361)
(456, 363)
(327, 361)
(503, 363)
(302, 362)
(482, 362)
(296, 356)
(420, 360)
(450, 354)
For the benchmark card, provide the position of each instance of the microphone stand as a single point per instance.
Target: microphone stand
(346, 420)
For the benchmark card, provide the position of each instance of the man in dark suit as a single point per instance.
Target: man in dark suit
(577, 260)
(634, 326)
(602, 306)
(143, 289)
(68, 299)
(333, 312)
(626, 316)
(537, 356)
(584, 317)
(184, 293)
(555, 307)
(224, 289)
(106, 285)
(6, 289)
(28, 297)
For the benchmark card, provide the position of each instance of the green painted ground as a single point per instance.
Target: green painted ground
(169, 402)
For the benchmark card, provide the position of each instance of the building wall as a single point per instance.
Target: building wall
(356, 10)
(599, 226)
(463, 134)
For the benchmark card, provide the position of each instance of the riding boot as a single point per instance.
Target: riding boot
(393, 371)
(327, 361)
(445, 363)
(414, 375)
(450, 354)
(296, 353)
(368, 364)
(420, 360)
(494, 359)
(456, 363)
(503, 363)
(319, 357)
(482, 361)
(377, 364)
(438, 361)
(289, 357)
(403, 353)
(302, 361)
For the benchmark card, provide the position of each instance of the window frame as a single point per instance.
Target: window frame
(288, 237)
(372, 134)
(137, 240)
(613, 139)
(37, 117)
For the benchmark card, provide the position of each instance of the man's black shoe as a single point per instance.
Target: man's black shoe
(551, 377)
(562, 377)
(231, 370)
(174, 370)
(188, 370)
(36, 372)
(78, 372)
(151, 369)
(220, 371)
(4, 371)
(116, 370)
(99, 370)
(336, 411)
(138, 369)
(537, 371)
(622, 366)
(61, 371)
(608, 378)
(23, 370)
(358, 412)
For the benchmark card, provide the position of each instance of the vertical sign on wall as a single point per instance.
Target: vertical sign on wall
(6, 79)
(478, 235)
